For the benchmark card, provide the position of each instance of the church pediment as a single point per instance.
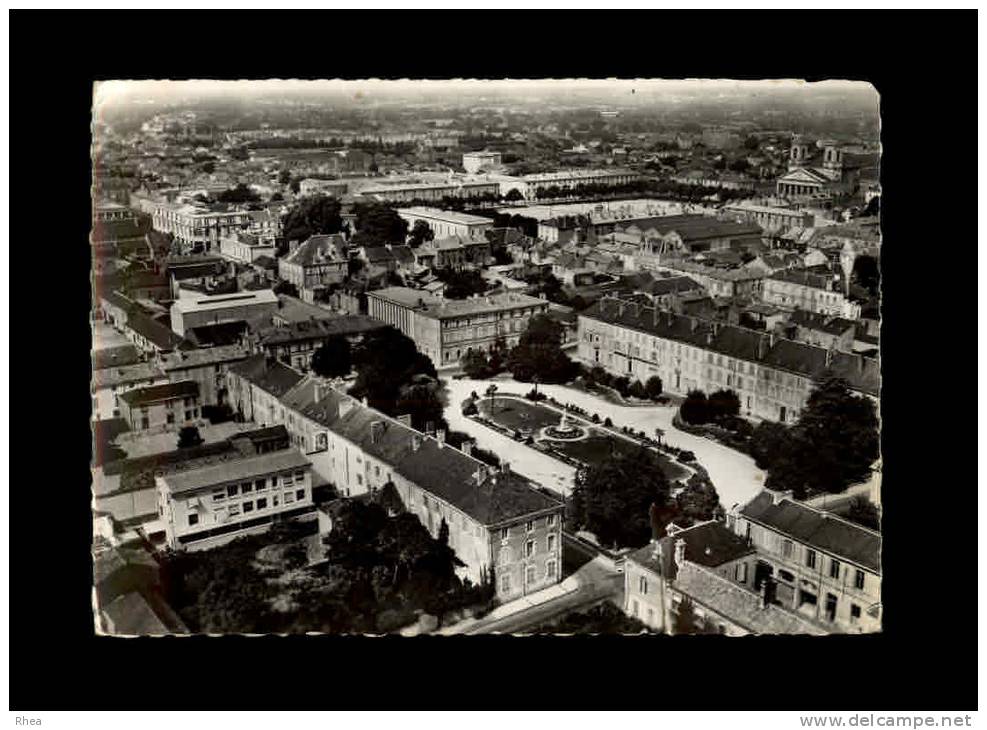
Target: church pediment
(804, 175)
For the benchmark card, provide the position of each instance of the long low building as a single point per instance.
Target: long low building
(773, 377)
(566, 180)
(772, 219)
(446, 329)
(500, 524)
(409, 192)
(446, 223)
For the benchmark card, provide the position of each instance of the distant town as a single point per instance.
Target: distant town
(481, 357)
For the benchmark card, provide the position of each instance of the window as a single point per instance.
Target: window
(193, 519)
(300, 476)
(786, 576)
(289, 497)
(858, 580)
(286, 480)
(300, 495)
(810, 558)
(834, 568)
(651, 615)
(246, 487)
(262, 503)
(550, 568)
(504, 533)
(642, 585)
(529, 548)
(505, 584)
(551, 520)
(234, 510)
(529, 526)
(854, 613)
(786, 548)
(551, 543)
(232, 490)
(171, 418)
(260, 485)
(219, 495)
(741, 573)
(248, 507)
(634, 608)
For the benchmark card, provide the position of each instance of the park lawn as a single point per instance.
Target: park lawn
(518, 414)
(597, 449)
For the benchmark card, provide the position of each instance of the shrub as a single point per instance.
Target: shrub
(595, 418)
(607, 422)
(685, 456)
(534, 395)
(653, 387)
(470, 409)
(695, 408)
(637, 390)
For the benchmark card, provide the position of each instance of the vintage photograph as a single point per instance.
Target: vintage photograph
(460, 357)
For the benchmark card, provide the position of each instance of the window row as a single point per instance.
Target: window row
(288, 479)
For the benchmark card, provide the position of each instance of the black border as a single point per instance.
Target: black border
(923, 64)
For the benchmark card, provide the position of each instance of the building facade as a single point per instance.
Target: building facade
(202, 310)
(108, 384)
(474, 162)
(447, 223)
(207, 366)
(209, 506)
(446, 329)
(161, 407)
(320, 261)
(809, 291)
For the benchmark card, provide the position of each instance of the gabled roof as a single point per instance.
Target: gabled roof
(244, 467)
(268, 374)
(817, 529)
(123, 374)
(317, 249)
(115, 357)
(160, 393)
(709, 543)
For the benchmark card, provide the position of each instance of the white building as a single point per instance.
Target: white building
(474, 162)
(204, 310)
(447, 223)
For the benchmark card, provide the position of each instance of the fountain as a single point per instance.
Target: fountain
(565, 431)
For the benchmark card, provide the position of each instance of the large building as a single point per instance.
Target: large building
(500, 525)
(453, 252)
(474, 162)
(713, 571)
(411, 192)
(717, 280)
(334, 188)
(773, 377)
(294, 344)
(814, 563)
(804, 178)
(446, 223)
(245, 247)
(446, 329)
(200, 310)
(207, 367)
(772, 219)
(211, 505)
(161, 407)
(809, 291)
(195, 228)
(533, 185)
(320, 261)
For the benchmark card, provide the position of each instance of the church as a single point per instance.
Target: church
(807, 177)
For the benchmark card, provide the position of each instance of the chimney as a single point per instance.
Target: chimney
(376, 431)
(366, 401)
(829, 356)
(416, 441)
(505, 467)
(467, 446)
(764, 592)
(440, 436)
(679, 552)
(479, 476)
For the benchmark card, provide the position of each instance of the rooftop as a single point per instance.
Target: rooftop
(108, 377)
(244, 467)
(202, 357)
(818, 529)
(318, 249)
(432, 306)
(448, 216)
(115, 356)
(268, 374)
(317, 329)
(225, 301)
(159, 393)
(710, 544)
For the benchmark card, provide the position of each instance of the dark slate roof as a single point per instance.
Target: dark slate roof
(158, 393)
(403, 254)
(224, 333)
(160, 335)
(862, 374)
(817, 529)
(697, 227)
(269, 375)
(670, 285)
(332, 247)
(318, 329)
(804, 278)
(710, 544)
(266, 262)
(115, 357)
(821, 322)
(442, 470)
(378, 254)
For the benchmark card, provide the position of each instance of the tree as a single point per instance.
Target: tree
(613, 498)
(873, 206)
(751, 143)
(284, 177)
(653, 388)
(513, 195)
(312, 216)
(286, 288)
(539, 353)
(425, 401)
(188, 437)
(385, 362)
(475, 364)
(443, 537)
(685, 621)
(697, 502)
(636, 390)
(209, 167)
(420, 232)
(768, 442)
(332, 359)
(239, 194)
(378, 224)
(722, 404)
(695, 408)
(833, 445)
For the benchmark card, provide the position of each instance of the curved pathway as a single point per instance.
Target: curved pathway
(734, 474)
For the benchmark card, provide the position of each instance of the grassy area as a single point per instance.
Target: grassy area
(518, 414)
(598, 447)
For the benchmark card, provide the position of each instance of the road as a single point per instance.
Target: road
(735, 476)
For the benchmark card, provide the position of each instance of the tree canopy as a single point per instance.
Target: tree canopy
(312, 216)
(420, 232)
(386, 362)
(378, 224)
(332, 359)
(834, 443)
(538, 354)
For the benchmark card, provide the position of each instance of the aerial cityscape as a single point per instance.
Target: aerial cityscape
(475, 357)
